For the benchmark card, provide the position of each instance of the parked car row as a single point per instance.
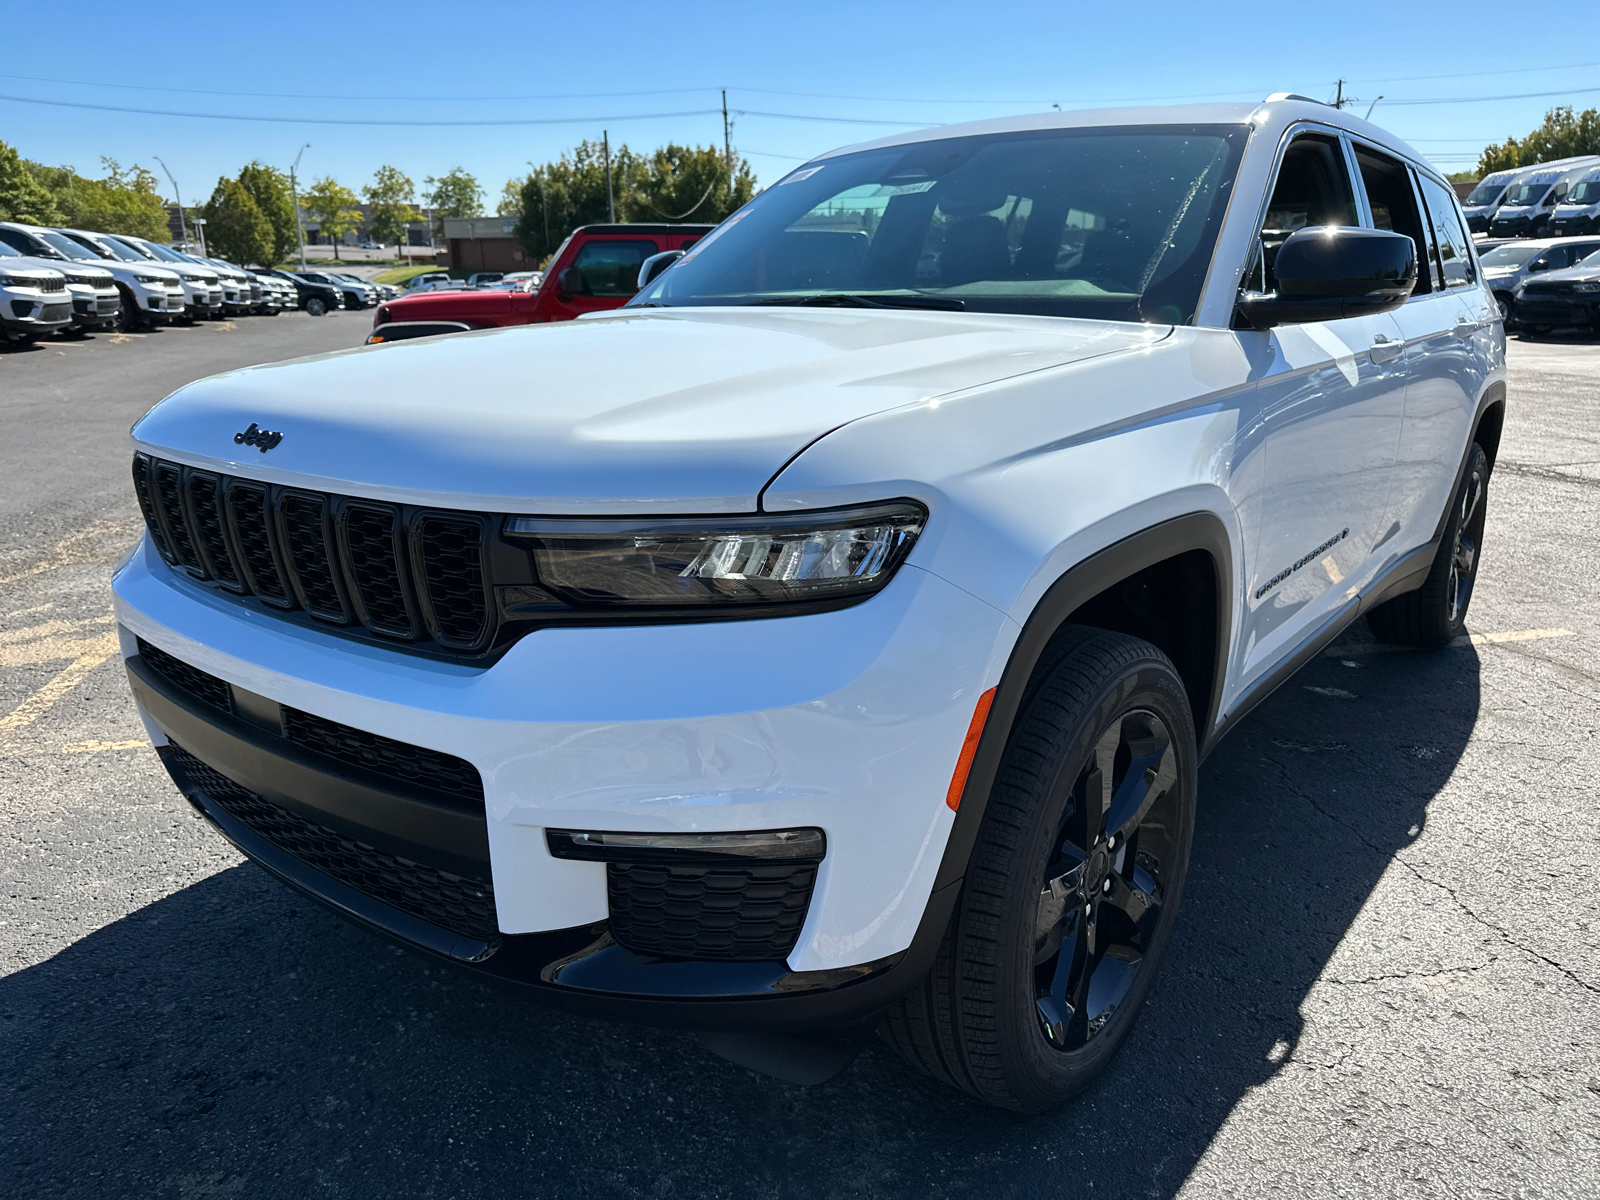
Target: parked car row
(1553, 199)
(76, 281)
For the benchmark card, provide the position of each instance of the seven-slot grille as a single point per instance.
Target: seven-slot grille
(402, 574)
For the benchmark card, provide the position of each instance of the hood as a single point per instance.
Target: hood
(1573, 274)
(31, 268)
(681, 410)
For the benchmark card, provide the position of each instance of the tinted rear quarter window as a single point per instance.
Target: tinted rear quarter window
(1454, 246)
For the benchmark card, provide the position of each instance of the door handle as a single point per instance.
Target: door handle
(1464, 329)
(1384, 350)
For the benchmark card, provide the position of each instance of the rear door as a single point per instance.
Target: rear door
(607, 275)
(1447, 333)
(1327, 426)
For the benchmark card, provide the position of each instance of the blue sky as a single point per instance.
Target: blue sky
(854, 71)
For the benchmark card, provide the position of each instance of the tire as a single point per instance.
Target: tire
(1504, 303)
(1043, 970)
(1436, 613)
(316, 306)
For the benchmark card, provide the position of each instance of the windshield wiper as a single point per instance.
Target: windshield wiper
(860, 300)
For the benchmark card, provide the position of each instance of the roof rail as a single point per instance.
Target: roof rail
(1276, 96)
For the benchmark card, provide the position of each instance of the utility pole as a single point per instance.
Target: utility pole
(727, 143)
(294, 199)
(611, 203)
(183, 228)
(1338, 99)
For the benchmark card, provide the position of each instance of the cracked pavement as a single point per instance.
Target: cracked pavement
(1384, 980)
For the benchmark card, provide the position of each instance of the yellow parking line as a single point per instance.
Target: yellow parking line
(36, 705)
(93, 746)
(1518, 635)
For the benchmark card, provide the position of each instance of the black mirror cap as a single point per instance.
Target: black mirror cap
(1328, 272)
(650, 269)
(571, 282)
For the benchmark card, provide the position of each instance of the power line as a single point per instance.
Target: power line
(1516, 96)
(161, 112)
(1474, 74)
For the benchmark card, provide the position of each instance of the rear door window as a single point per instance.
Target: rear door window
(1454, 246)
(611, 268)
(1393, 201)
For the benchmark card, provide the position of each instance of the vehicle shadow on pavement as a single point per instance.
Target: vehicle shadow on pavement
(234, 1040)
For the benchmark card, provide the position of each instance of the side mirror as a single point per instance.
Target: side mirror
(1333, 271)
(1539, 264)
(571, 282)
(650, 269)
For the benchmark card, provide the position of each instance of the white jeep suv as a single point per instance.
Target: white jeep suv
(828, 640)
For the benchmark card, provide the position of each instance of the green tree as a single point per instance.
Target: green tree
(390, 193)
(454, 194)
(511, 198)
(1563, 135)
(690, 183)
(562, 195)
(125, 201)
(236, 228)
(269, 188)
(22, 197)
(334, 207)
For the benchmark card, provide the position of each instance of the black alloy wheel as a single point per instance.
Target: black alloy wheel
(1073, 887)
(315, 306)
(1099, 905)
(1436, 613)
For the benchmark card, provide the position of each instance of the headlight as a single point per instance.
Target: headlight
(194, 278)
(153, 279)
(705, 562)
(14, 281)
(1586, 287)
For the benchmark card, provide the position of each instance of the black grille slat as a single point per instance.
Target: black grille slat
(250, 515)
(716, 913)
(169, 496)
(385, 756)
(191, 680)
(144, 488)
(372, 545)
(451, 902)
(452, 568)
(303, 518)
(204, 493)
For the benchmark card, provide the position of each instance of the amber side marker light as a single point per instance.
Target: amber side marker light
(969, 750)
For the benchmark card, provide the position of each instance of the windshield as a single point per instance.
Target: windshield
(67, 246)
(1512, 255)
(1484, 193)
(1115, 223)
(1592, 263)
(115, 249)
(1587, 192)
(158, 251)
(1526, 193)
(10, 252)
(137, 249)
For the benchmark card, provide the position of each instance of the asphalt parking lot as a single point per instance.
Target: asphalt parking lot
(1386, 978)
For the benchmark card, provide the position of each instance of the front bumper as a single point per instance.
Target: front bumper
(35, 313)
(1572, 226)
(1558, 310)
(1511, 227)
(848, 721)
(96, 310)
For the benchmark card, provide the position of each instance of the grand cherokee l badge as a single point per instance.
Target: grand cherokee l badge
(264, 439)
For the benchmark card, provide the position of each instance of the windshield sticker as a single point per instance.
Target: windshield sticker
(796, 177)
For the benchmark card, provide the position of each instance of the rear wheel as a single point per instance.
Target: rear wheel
(1436, 613)
(1074, 883)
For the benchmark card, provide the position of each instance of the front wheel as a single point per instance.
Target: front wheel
(316, 306)
(1436, 613)
(1073, 888)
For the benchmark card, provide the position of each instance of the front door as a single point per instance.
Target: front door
(1327, 420)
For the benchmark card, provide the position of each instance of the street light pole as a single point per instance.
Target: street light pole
(294, 199)
(200, 232)
(183, 228)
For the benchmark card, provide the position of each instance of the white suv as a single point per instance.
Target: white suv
(829, 639)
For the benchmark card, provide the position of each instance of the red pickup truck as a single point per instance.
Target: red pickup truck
(596, 268)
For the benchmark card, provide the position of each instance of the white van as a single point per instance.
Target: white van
(1533, 196)
(1485, 198)
(1579, 213)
